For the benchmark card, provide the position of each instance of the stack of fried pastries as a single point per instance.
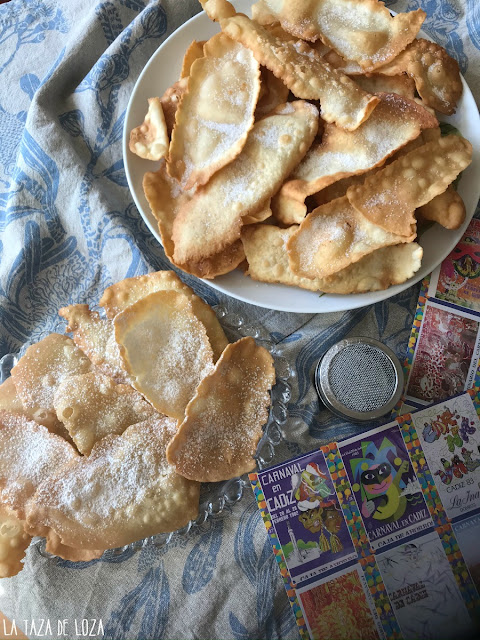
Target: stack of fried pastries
(106, 435)
(318, 120)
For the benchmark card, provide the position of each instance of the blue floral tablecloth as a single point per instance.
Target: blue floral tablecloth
(69, 228)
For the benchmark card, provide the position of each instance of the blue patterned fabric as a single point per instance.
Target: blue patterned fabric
(69, 228)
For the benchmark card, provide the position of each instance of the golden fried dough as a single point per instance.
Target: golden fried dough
(121, 295)
(212, 220)
(260, 216)
(166, 199)
(170, 101)
(275, 93)
(92, 406)
(193, 52)
(41, 369)
(377, 270)
(13, 544)
(30, 454)
(334, 236)
(304, 72)
(216, 112)
(150, 139)
(55, 547)
(364, 32)
(165, 349)
(95, 336)
(223, 422)
(266, 252)
(379, 83)
(395, 121)
(436, 74)
(123, 491)
(448, 209)
(9, 400)
(389, 197)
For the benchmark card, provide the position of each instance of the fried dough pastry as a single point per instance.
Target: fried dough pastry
(55, 547)
(123, 491)
(13, 544)
(377, 270)
(193, 52)
(92, 406)
(95, 336)
(165, 349)
(123, 294)
(260, 216)
(448, 209)
(223, 422)
(395, 121)
(9, 400)
(436, 74)
(166, 199)
(275, 93)
(170, 101)
(379, 83)
(389, 197)
(266, 251)
(212, 220)
(41, 369)
(364, 32)
(150, 139)
(304, 72)
(30, 454)
(216, 112)
(334, 236)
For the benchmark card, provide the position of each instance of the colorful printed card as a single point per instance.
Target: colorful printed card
(307, 517)
(422, 589)
(467, 533)
(457, 279)
(449, 433)
(385, 486)
(364, 531)
(446, 356)
(443, 355)
(340, 607)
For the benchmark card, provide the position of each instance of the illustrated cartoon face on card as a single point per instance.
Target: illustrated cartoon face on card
(378, 479)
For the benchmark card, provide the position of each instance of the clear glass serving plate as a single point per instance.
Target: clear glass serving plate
(213, 496)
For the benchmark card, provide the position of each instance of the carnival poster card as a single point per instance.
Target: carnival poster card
(341, 607)
(467, 532)
(425, 597)
(446, 355)
(306, 516)
(457, 279)
(449, 433)
(385, 486)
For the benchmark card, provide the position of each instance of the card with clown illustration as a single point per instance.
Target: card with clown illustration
(306, 516)
(449, 433)
(385, 486)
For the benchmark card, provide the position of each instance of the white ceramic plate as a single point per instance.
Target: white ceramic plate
(163, 69)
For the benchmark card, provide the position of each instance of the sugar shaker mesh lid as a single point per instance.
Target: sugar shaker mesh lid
(362, 377)
(359, 379)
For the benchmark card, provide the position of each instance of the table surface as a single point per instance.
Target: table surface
(69, 228)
